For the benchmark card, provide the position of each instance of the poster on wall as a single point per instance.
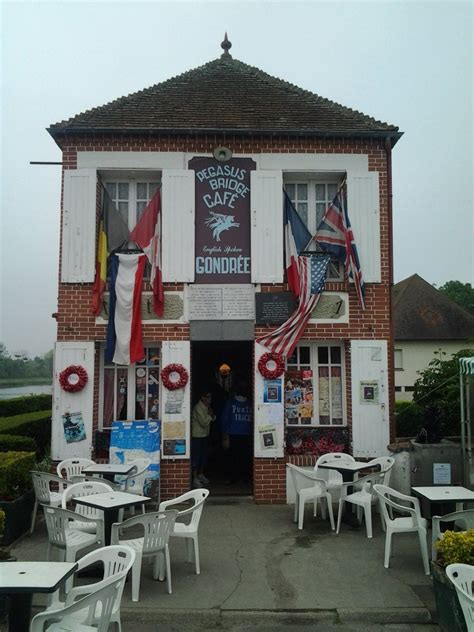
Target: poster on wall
(267, 435)
(369, 392)
(272, 391)
(222, 220)
(174, 402)
(269, 430)
(174, 438)
(130, 440)
(73, 426)
(299, 397)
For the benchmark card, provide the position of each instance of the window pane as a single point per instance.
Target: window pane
(140, 208)
(142, 191)
(123, 210)
(320, 210)
(323, 355)
(302, 209)
(335, 355)
(320, 192)
(304, 355)
(108, 416)
(302, 191)
(332, 191)
(290, 189)
(140, 392)
(153, 356)
(153, 393)
(292, 359)
(121, 394)
(153, 188)
(111, 189)
(123, 190)
(336, 394)
(323, 384)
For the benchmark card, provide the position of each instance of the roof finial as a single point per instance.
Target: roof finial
(226, 45)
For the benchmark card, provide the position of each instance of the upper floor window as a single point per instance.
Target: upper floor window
(398, 359)
(131, 196)
(311, 197)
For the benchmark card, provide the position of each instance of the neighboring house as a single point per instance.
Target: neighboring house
(427, 324)
(274, 135)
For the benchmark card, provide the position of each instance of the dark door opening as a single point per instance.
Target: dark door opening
(227, 475)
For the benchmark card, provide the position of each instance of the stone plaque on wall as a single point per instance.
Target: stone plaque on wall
(173, 309)
(220, 302)
(330, 306)
(274, 308)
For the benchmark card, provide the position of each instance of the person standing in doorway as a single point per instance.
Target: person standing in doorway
(236, 427)
(201, 419)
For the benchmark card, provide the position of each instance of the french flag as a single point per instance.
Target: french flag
(124, 331)
(297, 238)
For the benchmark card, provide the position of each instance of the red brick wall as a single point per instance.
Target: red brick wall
(75, 322)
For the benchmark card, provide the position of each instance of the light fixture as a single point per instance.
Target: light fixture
(222, 154)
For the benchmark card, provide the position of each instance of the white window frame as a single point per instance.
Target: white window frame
(312, 180)
(132, 179)
(314, 366)
(131, 385)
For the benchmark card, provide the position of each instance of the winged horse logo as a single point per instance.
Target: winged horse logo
(219, 223)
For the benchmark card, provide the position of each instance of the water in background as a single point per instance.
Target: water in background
(19, 391)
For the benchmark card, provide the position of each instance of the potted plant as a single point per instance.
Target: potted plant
(453, 548)
(16, 493)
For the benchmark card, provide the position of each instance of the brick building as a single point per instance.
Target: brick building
(244, 135)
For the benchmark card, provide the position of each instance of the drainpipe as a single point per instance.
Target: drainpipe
(388, 150)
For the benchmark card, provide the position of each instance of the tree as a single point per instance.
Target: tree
(460, 293)
(437, 394)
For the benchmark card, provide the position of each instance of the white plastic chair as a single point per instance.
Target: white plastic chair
(462, 576)
(71, 469)
(386, 464)
(135, 481)
(189, 530)
(363, 498)
(42, 482)
(116, 561)
(102, 599)
(157, 528)
(68, 540)
(404, 504)
(332, 478)
(86, 488)
(463, 520)
(308, 487)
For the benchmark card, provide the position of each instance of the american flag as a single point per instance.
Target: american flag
(334, 235)
(312, 275)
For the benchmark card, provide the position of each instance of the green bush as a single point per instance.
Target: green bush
(408, 419)
(36, 425)
(15, 477)
(27, 404)
(16, 443)
(456, 547)
(2, 523)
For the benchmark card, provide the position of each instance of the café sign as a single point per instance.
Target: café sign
(222, 237)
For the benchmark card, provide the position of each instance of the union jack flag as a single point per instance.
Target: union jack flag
(312, 276)
(334, 235)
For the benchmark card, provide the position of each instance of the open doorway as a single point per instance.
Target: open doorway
(229, 469)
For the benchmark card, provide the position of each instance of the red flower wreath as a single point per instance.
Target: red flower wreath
(173, 385)
(274, 358)
(65, 381)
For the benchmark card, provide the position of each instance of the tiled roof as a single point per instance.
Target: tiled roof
(225, 95)
(421, 312)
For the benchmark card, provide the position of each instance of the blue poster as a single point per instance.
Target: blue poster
(132, 440)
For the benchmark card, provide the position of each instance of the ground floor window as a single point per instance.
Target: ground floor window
(131, 392)
(315, 385)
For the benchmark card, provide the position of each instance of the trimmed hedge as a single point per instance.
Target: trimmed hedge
(27, 404)
(36, 425)
(16, 443)
(15, 477)
(408, 419)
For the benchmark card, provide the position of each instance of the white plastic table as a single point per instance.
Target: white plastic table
(110, 503)
(348, 469)
(20, 580)
(445, 494)
(109, 470)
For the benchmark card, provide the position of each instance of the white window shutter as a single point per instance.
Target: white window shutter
(65, 354)
(78, 229)
(363, 206)
(178, 352)
(266, 203)
(177, 225)
(370, 419)
(268, 418)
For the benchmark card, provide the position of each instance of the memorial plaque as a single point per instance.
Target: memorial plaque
(214, 302)
(274, 308)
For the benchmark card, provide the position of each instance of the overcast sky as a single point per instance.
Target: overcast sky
(406, 63)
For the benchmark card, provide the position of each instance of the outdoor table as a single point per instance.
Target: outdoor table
(445, 494)
(348, 470)
(109, 470)
(20, 580)
(110, 503)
